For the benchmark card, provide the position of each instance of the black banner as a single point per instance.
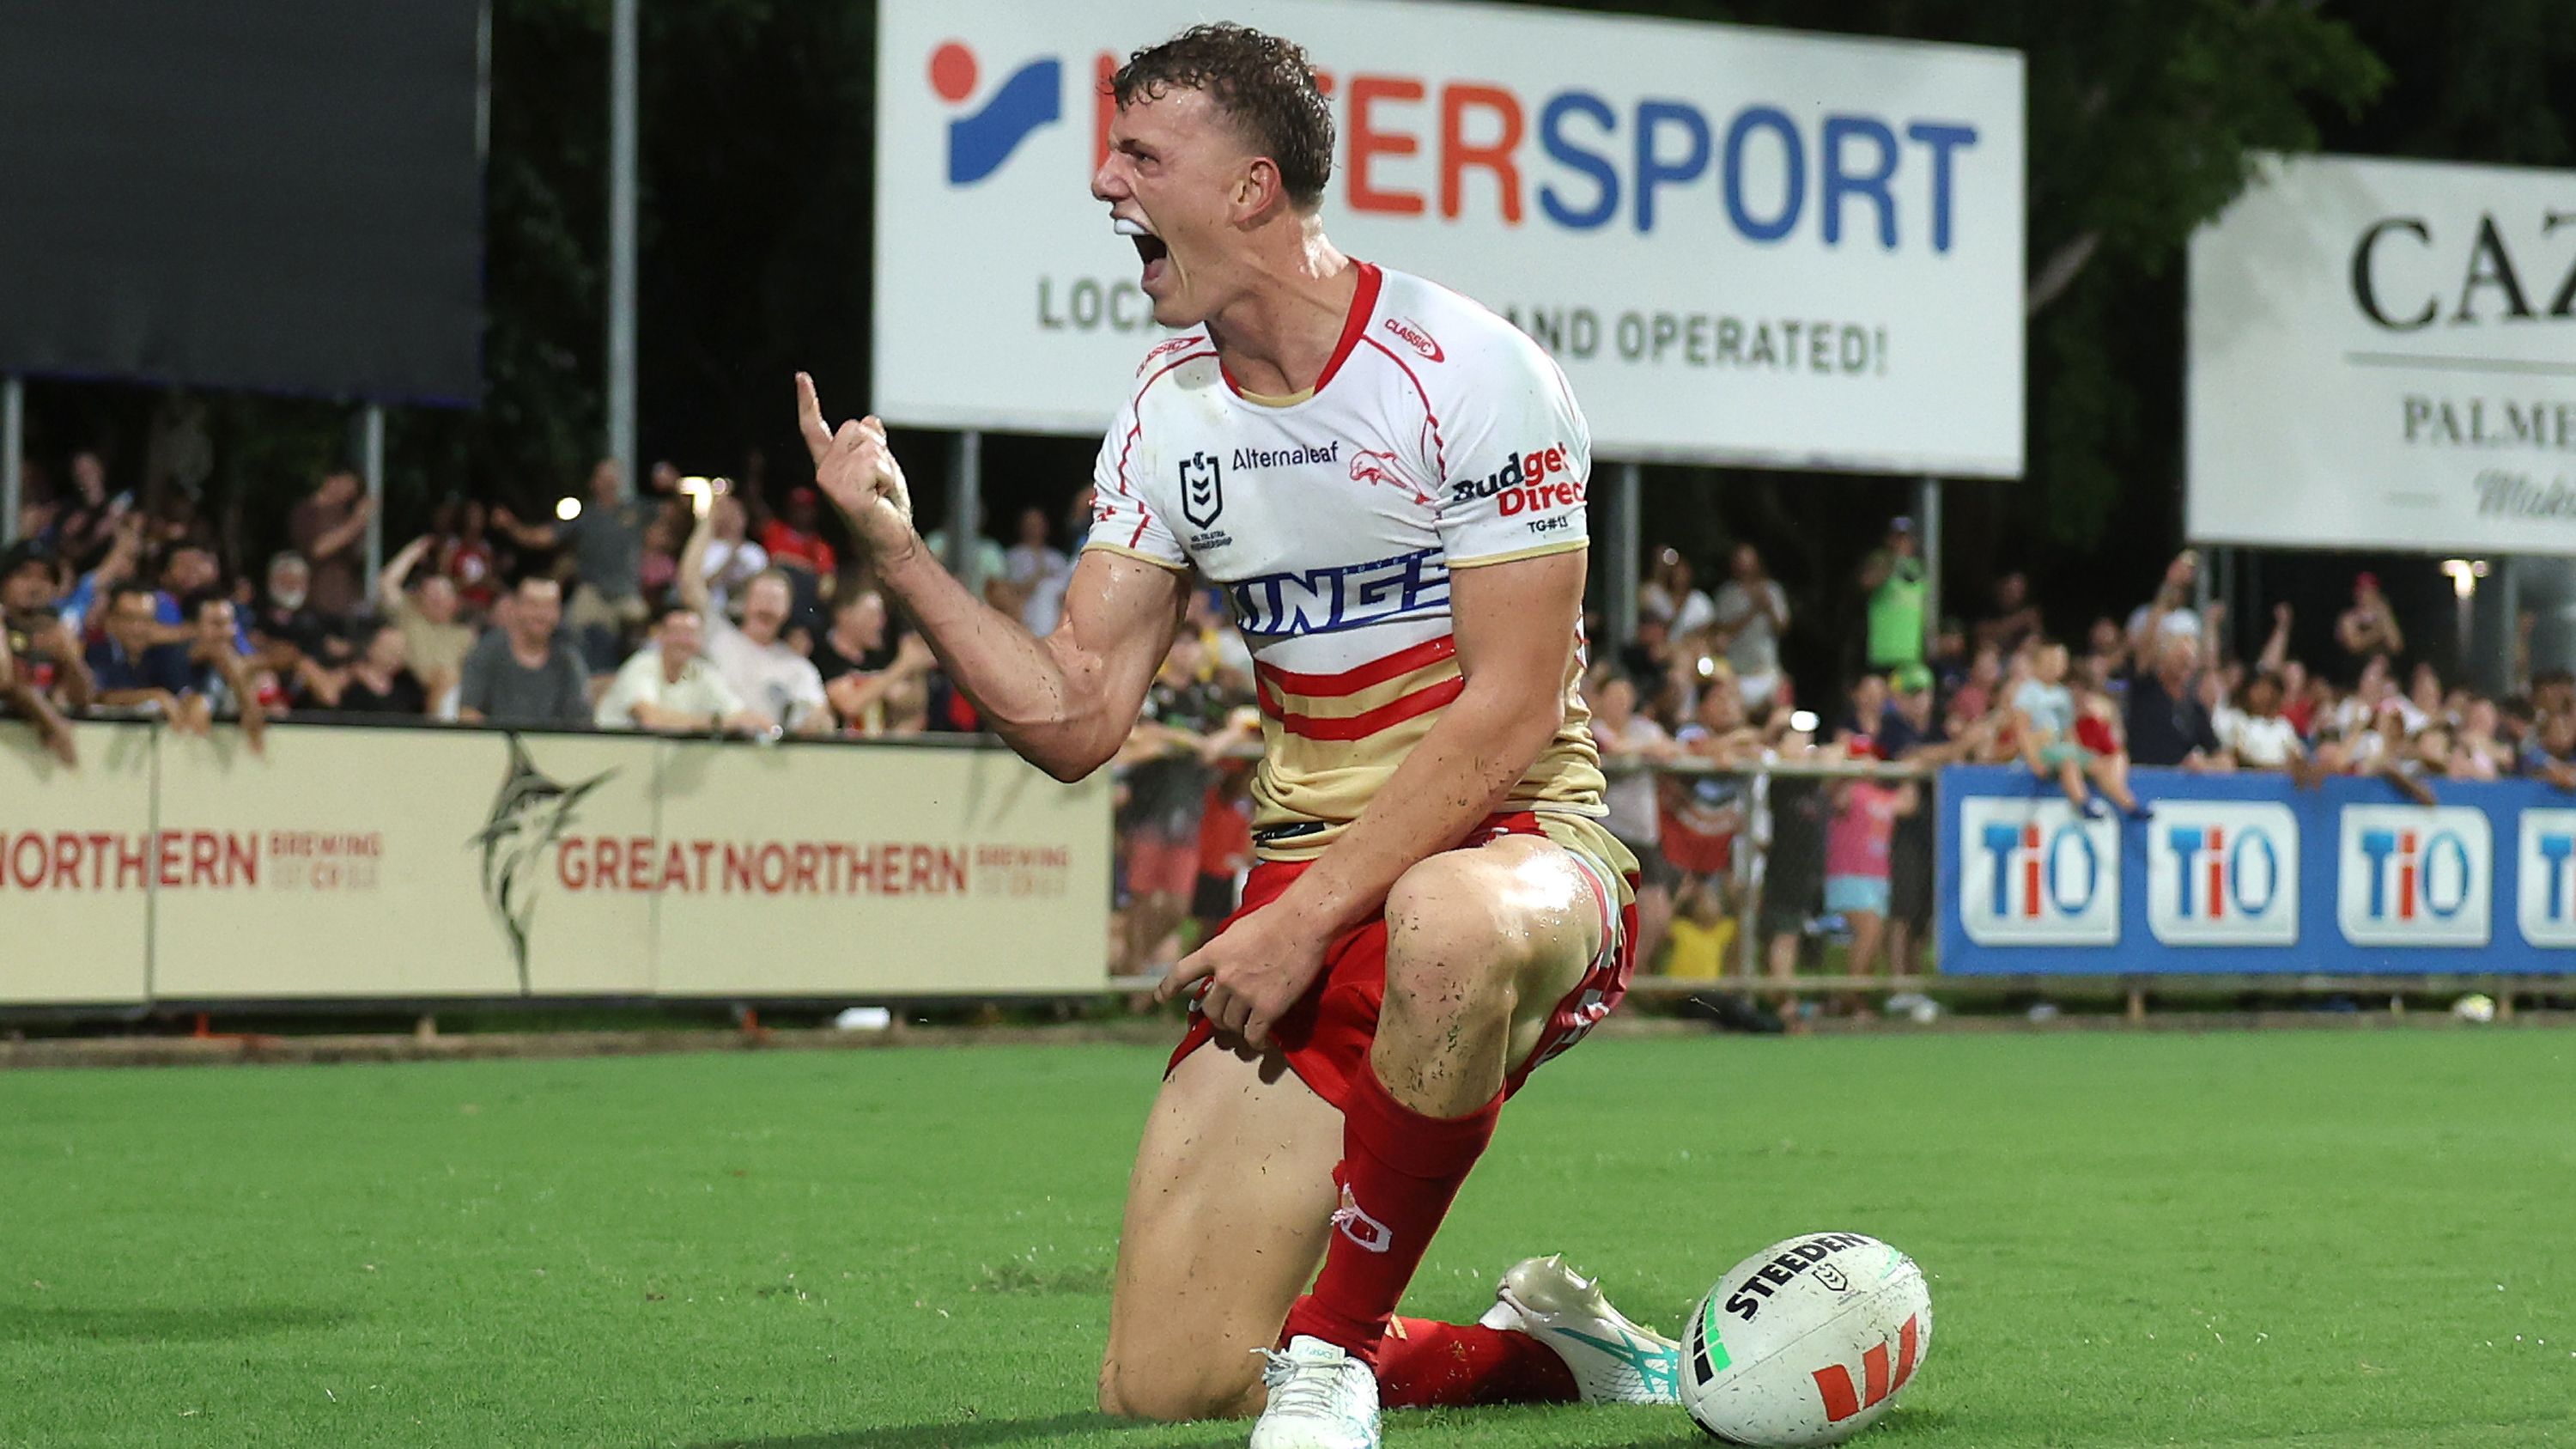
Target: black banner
(274, 194)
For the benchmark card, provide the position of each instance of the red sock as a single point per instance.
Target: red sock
(1426, 1365)
(1398, 1173)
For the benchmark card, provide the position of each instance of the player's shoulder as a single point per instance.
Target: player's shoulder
(1450, 336)
(1173, 355)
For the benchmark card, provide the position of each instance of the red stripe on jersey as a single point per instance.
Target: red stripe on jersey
(1354, 327)
(1439, 451)
(1368, 722)
(1352, 681)
(1136, 430)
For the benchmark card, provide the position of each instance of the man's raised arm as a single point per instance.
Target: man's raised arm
(1064, 702)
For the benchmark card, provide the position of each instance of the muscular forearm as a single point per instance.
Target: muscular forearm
(1057, 719)
(1480, 747)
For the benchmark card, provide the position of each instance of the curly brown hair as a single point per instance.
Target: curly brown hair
(1263, 83)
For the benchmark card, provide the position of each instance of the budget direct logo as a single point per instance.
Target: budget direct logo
(980, 140)
(2034, 873)
(2223, 874)
(2410, 876)
(2545, 907)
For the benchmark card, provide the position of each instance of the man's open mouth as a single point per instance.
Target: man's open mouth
(1149, 248)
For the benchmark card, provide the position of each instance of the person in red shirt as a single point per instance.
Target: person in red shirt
(795, 538)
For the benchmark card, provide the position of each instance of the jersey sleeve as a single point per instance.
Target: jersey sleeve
(1122, 522)
(1516, 459)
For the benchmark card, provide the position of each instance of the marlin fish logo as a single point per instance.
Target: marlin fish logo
(531, 813)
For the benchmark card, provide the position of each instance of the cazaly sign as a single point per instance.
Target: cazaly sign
(2383, 355)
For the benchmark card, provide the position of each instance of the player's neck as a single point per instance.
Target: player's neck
(1279, 333)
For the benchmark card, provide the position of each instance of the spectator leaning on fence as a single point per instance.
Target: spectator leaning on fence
(285, 630)
(435, 639)
(858, 676)
(41, 669)
(522, 672)
(378, 681)
(669, 686)
(607, 543)
(2168, 725)
(48, 650)
(219, 671)
(767, 673)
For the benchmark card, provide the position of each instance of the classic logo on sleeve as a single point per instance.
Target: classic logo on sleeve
(2411, 876)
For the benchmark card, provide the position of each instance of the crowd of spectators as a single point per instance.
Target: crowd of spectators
(1701, 687)
(697, 610)
(705, 611)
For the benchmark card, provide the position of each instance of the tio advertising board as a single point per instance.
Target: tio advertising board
(2383, 355)
(1742, 245)
(2245, 873)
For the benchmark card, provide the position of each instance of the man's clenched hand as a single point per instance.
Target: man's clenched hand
(856, 470)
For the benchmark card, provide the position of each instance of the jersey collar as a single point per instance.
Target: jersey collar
(1354, 326)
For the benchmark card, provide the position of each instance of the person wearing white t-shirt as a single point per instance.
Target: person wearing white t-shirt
(768, 674)
(1667, 595)
(729, 559)
(669, 686)
(1749, 614)
(1037, 574)
(2257, 735)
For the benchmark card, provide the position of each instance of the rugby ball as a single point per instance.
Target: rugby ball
(1807, 1342)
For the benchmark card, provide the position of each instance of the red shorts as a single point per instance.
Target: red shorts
(1162, 867)
(1326, 1036)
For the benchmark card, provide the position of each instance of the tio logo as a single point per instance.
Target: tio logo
(2223, 873)
(1878, 1381)
(2545, 906)
(981, 140)
(2410, 876)
(2033, 873)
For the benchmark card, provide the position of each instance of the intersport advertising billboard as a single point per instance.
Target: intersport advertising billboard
(1745, 246)
(2383, 355)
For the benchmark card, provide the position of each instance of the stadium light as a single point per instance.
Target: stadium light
(568, 509)
(701, 492)
(2465, 574)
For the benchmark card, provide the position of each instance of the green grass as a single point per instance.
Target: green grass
(2315, 1239)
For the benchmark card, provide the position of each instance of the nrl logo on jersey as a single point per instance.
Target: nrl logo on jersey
(1202, 489)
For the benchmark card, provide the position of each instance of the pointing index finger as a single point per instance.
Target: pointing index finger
(809, 417)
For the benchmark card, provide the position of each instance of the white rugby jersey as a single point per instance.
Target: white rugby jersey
(1438, 437)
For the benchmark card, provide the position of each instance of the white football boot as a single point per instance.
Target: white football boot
(1320, 1398)
(1613, 1360)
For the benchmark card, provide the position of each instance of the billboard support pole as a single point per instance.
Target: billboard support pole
(1619, 554)
(966, 511)
(622, 123)
(371, 460)
(13, 448)
(1927, 511)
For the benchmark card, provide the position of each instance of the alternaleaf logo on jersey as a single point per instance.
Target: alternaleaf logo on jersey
(1202, 489)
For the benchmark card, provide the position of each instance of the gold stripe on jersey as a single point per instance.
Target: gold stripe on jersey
(1516, 555)
(1308, 790)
